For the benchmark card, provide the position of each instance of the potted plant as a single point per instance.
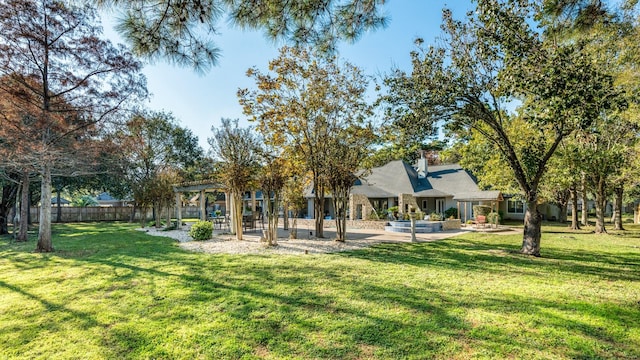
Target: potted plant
(393, 211)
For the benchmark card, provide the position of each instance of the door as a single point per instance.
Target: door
(440, 206)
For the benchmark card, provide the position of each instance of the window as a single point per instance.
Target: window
(515, 207)
(380, 204)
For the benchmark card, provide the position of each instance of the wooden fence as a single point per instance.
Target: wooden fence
(107, 213)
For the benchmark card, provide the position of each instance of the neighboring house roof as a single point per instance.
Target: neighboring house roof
(105, 197)
(63, 201)
(398, 177)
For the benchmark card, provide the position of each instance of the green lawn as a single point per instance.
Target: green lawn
(112, 292)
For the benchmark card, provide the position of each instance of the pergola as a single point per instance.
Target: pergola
(196, 186)
(492, 197)
(203, 187)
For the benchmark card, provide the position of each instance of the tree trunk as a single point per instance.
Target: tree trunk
(132, 218)
(8, 198)
(16, 216)
(156, 214)
(340, 199)
(285, 215)
(238, 213)
(293, 229)
(585, 208)
(168, 215)
(143, 216)
(601, 202)
(532, 229)
(617, 208)
(575, 225)
(318, 210)
(29, 202)
(272, 218)
(562, 198)
(45, 243)
(562, 216)
(24, 208)
(58, 207)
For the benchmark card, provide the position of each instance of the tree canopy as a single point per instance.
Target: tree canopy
(308, 101)
(183, 31)
(65, 84)
(484, 63)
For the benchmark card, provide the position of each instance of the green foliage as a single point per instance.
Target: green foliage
(494, 218)
(472, 77)
(434, 216)
(110, 290)
(170, 227)
(451, 212)
(312, 108)
(182, 31)
(481, 210)
(201, 230)
(237, 150)
(373, 215)
(157, 152)
(84, 201)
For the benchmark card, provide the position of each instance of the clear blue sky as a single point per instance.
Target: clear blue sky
(200, 101)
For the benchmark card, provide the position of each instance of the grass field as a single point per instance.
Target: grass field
(112, 292)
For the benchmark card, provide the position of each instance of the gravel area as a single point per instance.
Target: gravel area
(305, 244)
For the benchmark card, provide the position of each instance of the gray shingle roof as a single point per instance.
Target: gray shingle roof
(398, 177)
(491, 195)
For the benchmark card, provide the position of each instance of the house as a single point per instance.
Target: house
(63, 201)
(429, 188)
(105, 199)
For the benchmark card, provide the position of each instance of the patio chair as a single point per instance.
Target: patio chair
(481, 220)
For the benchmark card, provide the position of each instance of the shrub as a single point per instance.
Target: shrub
(451, 212)
(494, 218)
(201, 230)
(434, 216)
(481, 210)
(170, 227)
(373, 215)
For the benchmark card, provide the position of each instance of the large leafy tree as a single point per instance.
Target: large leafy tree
(495, 56)
(610, 35)
(271, 179)
(302, 105)
(157, 151)
(347, 150)
(183, 31)
(606, 151)
(69, 83)
(237, 150)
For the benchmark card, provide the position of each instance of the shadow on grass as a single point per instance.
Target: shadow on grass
(454, 253)
(343, 305)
